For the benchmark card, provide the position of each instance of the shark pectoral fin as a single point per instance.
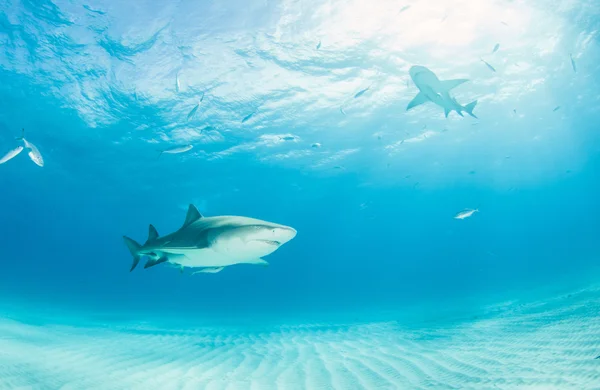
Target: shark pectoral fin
(152, 263)
(262, 262)
(449, 84)
(209, 270)
(446, 112)
(418, 100)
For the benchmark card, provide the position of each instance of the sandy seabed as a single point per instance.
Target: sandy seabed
(550, 344)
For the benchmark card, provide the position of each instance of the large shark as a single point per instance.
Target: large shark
(212, 242)
(432, 89)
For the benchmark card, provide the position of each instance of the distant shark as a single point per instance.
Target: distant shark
(432, 89)
(212, 242)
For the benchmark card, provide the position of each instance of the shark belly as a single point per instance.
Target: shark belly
(204, 257)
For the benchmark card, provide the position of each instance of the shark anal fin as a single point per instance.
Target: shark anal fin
(449, 84)
(418, 100)
(152, 263)
(209, 270)
(152, 233)
(192, 216)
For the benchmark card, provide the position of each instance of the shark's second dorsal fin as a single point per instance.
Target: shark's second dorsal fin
(152, 233)
(192, 216)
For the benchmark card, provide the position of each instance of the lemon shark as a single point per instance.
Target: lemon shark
(432, 89)
(212, 243)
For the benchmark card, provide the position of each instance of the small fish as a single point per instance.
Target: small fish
(11, 154)
(573, 63)
(193, 112)
(177, 85)
(316, 145)
(342, 110)
(465, 214)
(319, 45)
(504, 23)
(488, 65)
(556, 108)
(247, 117)
(496, 47)
(209, 270)
(175, 150)
(287, 138)
(202, 97)
(515, 110)
(404, 8)
(472, 172)
(361, 92)
(597, 357)
(34, 154)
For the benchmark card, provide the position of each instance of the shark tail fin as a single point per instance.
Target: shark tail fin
(134, 248)
(470, 107)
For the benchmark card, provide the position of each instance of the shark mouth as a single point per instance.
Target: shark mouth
(270, 242)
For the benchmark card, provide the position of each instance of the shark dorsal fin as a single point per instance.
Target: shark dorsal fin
(152, 233)
(192, 216)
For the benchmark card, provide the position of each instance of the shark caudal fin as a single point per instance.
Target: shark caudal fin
(134, 248)
(470, 107)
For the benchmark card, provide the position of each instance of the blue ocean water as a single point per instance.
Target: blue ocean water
(296, 111)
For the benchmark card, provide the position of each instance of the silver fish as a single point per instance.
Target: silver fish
(465, 214)
(488, 65)
(361, 92)
(175, 150)
(496, 47)
(11, 154)
(193, 112)
(247, 117)
(34, 154)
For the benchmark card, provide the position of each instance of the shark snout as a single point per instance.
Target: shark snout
(283, 234)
